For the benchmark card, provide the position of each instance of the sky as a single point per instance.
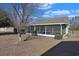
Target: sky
(52, 10)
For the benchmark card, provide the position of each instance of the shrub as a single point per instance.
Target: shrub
(15, 30)
(58, 36)
(34, 33)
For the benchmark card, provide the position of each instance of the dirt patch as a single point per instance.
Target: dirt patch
(9, 45)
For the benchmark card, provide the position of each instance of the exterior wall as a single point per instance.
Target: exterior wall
(6, 29)
(48, 35)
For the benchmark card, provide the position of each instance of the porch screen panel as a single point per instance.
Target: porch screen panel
(42, 29)
(49, 29)
(31, 28)
(56, 29)
(37, 29)
(64, 28)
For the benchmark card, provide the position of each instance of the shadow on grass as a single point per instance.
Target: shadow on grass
(65, 48)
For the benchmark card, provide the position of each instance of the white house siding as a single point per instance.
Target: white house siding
(48, 35)
(6, 29)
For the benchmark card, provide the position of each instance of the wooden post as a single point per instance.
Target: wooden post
(45, 29)
(34, 28)
(39, 29)
(52, 30)
(61, 29)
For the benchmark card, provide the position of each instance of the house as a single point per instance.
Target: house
(50, 27)
(8, 30)
(7, 26)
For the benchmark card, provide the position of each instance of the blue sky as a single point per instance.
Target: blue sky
(52, 10)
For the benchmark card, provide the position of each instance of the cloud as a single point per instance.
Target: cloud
(56, 13)
(60, 12)
(72, 11)
(72, 15)
(33, 17)
(45, 15)
(77, 11)
(45, 5)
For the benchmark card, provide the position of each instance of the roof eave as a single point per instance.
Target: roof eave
(49, 24)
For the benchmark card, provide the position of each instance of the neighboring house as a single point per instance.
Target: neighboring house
(50, 27)
(6, 29)
(6, 26)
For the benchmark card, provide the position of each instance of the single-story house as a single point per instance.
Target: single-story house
(50, 27)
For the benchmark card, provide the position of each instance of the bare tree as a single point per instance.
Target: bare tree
(20, 14)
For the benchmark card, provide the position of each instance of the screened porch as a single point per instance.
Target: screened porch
(48, 29)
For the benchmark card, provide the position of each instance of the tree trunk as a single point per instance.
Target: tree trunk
(19, 36)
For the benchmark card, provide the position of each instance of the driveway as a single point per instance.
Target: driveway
(65, 48)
